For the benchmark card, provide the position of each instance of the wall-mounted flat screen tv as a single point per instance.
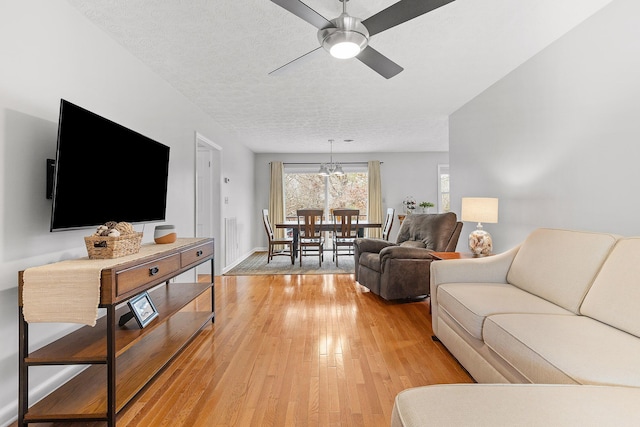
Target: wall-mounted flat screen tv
(104, 172)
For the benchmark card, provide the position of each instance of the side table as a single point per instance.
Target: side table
(456, 255)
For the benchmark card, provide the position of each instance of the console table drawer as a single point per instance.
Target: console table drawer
(196, 254)
(128, 280)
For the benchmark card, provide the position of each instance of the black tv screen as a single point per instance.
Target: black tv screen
(105, 172)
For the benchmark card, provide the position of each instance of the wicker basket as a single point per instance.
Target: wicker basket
(102, 247)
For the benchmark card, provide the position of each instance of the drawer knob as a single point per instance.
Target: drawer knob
(198, 253)
(154, 270)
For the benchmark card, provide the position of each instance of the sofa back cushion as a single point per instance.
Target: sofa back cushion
(560, 265)
(614, 298)
(433, 230)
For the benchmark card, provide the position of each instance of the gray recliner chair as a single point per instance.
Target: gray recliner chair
(401, 270)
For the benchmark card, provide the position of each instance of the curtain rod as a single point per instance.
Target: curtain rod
(319, 163)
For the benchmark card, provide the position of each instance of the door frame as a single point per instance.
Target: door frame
(214, 211)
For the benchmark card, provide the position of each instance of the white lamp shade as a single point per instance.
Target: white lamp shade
(480, 209)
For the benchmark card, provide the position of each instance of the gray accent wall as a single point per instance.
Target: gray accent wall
(558, 139)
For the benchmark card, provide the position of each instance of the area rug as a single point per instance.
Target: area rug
(256, 264)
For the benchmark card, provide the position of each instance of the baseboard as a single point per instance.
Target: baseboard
(242, 258)
(9, 414)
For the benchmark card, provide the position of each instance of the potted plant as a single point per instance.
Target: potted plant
(425, 206)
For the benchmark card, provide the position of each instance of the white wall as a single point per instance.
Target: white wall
(402, 174)
(49, 51)
(558, 140)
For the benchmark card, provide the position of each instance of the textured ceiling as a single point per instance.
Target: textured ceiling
(218, 53)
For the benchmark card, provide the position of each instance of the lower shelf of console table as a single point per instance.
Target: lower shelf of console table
(118, 368)
(87, 392)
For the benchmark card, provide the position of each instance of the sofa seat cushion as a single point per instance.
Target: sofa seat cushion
(547, 348)
(371, 261)
(470, 303)
(533, 405)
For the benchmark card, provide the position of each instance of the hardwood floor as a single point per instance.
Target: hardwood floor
(305, 350)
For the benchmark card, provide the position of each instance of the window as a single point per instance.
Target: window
(304, 188)
(444, 200)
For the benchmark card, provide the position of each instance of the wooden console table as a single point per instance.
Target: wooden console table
(121, 359)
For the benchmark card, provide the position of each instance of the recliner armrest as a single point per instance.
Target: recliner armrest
(371, 245)
(406, 252)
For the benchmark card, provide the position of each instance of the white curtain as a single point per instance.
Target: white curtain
(375, 198)
(276, 197)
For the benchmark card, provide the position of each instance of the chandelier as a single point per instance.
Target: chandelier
(331, 168)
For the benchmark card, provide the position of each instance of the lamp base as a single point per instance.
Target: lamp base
(480, 242)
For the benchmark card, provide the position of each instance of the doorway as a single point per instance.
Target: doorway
(208, 195)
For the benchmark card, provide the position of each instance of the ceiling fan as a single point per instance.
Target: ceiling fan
(347, 36)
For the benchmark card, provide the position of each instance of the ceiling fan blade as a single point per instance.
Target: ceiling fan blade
(296, 63)
(379, 63)
(303, 11)
(400, 12)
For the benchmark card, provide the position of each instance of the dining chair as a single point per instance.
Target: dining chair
(310, 239)
(277, 246)
(388, 222)
(345, 231)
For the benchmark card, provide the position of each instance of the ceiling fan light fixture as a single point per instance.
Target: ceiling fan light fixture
(347, 39)
(344, 48)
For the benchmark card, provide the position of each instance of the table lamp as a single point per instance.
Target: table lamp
(480, 209)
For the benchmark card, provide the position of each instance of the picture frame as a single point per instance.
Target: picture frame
(143, 309)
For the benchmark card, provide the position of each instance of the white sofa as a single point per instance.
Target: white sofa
(561, 308)
(510, 405)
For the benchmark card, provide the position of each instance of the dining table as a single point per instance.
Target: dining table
(325, 226)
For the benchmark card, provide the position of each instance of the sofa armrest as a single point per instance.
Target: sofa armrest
(491, 269)
(371, 245)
